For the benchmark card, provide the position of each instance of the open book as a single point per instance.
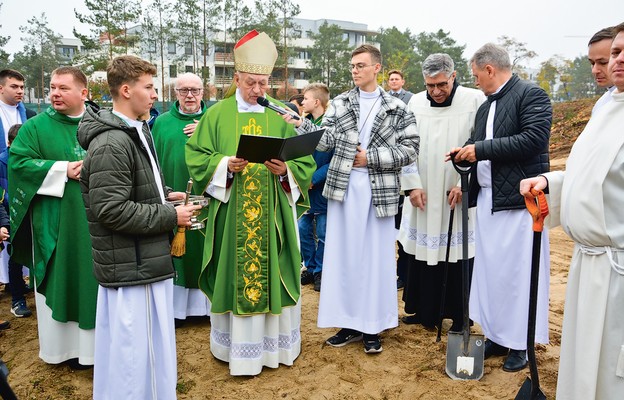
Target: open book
(259, 149)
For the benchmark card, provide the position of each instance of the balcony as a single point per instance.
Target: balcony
(224, 57)
(222, 81)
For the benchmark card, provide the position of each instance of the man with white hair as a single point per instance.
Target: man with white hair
(171, 131)
(251, 265)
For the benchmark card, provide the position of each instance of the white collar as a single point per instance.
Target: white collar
(243, 106)
(3, 104)
(131, 122)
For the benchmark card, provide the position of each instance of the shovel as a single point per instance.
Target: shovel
(464, 351)
(445, 274)
(538, 208)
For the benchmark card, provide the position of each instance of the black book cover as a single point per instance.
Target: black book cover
(258, 149)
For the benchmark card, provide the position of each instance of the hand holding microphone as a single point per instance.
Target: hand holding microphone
(282, 111)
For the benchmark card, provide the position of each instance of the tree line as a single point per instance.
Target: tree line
(201, 25)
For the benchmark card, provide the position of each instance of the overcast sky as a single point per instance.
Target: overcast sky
(548, 27)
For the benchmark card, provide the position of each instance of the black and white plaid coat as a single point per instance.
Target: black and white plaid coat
(393, 144)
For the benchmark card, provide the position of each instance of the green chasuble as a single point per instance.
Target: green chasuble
(170, 141)
(58, 250)
(251, 258)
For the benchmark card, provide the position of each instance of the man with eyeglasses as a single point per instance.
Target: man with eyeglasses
(171, 131)
(373, 136)
(251, 265)
(445, 114)
(509, 143)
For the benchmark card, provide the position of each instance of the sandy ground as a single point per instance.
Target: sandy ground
(412, 365)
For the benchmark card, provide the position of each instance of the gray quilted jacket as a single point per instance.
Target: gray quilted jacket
(130, 227)
(393, 145)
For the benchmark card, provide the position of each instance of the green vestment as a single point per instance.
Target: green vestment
(58, 249)
(251, 260)
(170, 141)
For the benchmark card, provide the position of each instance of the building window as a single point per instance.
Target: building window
(151, 46)
(173, 71)
(171, 47)
(188, 68)
(188, 48)
(205, 72)
(67, 52)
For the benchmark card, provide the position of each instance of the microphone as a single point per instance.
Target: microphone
(265, 103)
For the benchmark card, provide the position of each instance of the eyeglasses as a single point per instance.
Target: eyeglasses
(185, 91)
(359, 67)
(441, 85)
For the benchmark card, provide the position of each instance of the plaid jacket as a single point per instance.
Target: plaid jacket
(393, 144)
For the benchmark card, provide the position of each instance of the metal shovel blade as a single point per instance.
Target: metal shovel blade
(529, 392)
(464, 362)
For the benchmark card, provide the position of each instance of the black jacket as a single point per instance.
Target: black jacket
(129, 225)
(519, 148)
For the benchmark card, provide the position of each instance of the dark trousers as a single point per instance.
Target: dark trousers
(403, 257)
(423, 291)
(16, 281)
(402, 262)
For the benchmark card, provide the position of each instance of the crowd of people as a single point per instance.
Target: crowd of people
(92, 198)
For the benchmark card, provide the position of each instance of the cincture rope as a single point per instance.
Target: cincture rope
(596, 251)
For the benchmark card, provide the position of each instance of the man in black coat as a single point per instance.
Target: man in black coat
(509, 143)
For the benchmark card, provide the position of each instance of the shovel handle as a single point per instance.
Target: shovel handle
(538, 208)
(463, 167)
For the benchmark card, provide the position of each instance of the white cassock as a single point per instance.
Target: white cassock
(358, 289)
(135, 349)
(499, 295)
(590, 193)
(424, 233)
(189, 302)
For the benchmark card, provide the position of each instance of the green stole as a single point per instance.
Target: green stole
(252, 223)
(170, 141)
(58, 249)
(251, 255)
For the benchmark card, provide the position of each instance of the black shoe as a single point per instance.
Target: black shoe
(317, 281)
(400, 284)
(411, 319)
(415, 319)
(372, 344)
(457, 327)
(76, 366)
(344, 337)
(307, 277)
(4, 325)
(516, 361)
(491, 349)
